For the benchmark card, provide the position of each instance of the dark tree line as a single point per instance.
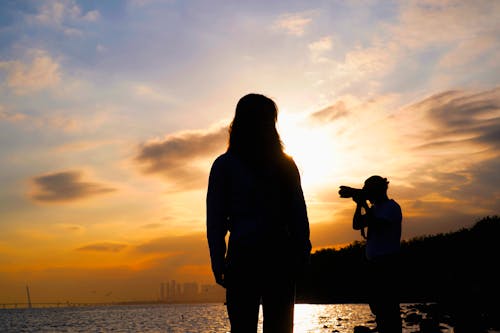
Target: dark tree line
(457, 269)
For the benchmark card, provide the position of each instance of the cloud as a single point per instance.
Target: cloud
(103, 247)
(101, 48)
(72, 32)
(461, 116)
(331, 113)
(441, 155)
(43, 72)
(65, 186)
(469, 50)
(454, 178)
(174, 244)
(184, 259)
(348, 106)
(175, 157)
(135, 4)
(178, 254)
(423, 23)
(65, 16)
(150, 93)
(152, 226)
(91, 16)
(85, 145)
(10, 116)
(376, 59)
(53, 12)
(293, 23)
(67, 227)
(57, 12)
(88, 120)
(319, 48)
(428, 40)
(450, 131)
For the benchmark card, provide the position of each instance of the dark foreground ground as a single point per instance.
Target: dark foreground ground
(453, 276)
(436, 318)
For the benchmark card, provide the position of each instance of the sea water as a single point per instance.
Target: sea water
(178, 318)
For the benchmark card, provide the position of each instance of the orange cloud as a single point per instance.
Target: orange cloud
(43, 72)
(103, 247)
(152, 226)
(173, 157)
(443, 165)
(331, 113)
(293, 24)
(462, 116)
(190, 243)
(65, 186)
(456, 179)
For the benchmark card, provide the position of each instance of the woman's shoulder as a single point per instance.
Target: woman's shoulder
(289, 168)
(289, 160)
(223, 160)
(222, 157)
(289, 163)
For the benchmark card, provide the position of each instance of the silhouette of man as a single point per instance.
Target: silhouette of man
(255, 194)
(383, 223)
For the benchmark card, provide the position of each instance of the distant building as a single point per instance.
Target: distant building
(162, 292)
(172, 290)
(212, 293)
(190, 292)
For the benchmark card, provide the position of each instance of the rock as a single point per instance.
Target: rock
(413, 318)
(429, 326)
(362, 329)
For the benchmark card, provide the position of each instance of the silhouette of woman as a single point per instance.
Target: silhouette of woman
(255, 194)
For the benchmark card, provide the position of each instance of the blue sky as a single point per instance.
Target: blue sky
(111, 113)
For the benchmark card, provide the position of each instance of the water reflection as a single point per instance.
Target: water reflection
(182, 318)
(328, 318)
(341, 318)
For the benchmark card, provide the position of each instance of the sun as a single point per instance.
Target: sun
(312, 149)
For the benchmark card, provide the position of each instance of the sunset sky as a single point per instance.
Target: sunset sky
(111, 113)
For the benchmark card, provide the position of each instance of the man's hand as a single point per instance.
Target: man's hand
(359, 199)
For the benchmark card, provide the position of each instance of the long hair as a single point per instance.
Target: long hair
(252, 134)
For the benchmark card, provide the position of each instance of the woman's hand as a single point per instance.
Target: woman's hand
(219, 279)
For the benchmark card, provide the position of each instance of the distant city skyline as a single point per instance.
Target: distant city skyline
(173, 292)
(169, 292)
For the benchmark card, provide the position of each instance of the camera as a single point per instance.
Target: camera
(349, 192)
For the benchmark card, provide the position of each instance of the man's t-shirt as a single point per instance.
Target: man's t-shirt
(384, 236)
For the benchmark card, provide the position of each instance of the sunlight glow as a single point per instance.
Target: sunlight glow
(313, 150)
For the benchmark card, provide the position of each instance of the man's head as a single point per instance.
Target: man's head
(375, 188)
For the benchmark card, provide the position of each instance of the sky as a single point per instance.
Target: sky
(111, 113)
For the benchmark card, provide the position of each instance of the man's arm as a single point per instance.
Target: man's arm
(360, 220)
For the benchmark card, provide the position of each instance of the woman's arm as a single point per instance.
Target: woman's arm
(301, 228)
(217, 218)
